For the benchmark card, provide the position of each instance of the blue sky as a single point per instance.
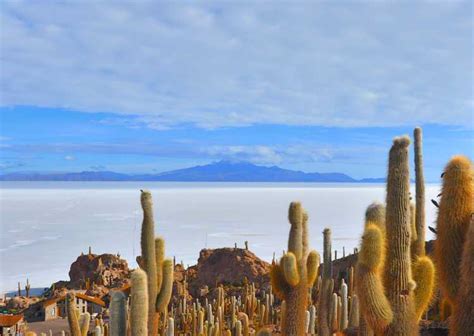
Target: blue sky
(150, 87)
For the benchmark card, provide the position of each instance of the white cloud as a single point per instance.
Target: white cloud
(69, 158)
(359, 64)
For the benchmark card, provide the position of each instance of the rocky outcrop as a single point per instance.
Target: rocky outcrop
(91, 271)
(228, 266)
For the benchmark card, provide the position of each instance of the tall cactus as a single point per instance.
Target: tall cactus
(397, 274)
(139, 304)
(385, 285)
(455, 209)
(418, 246)
(454, 248)
(148, 259)
(159, 270)
(423, 270)
(290, 276)
(325, 295)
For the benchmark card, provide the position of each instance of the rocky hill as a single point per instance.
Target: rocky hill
(228, 266)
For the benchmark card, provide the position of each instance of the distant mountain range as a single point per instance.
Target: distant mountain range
(222, 171)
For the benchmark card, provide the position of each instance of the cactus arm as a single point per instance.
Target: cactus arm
(372, 299)
(279, 284)
(295, 239)
(290, 269)
(159, 257)
(312, 265)
(164, 297)
(423, 274)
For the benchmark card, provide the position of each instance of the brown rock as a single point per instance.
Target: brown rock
(93, 271)
(228, 266)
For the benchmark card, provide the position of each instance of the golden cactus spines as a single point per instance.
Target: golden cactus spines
(423, 271)
(139, 303)
(312, 265)
(290, 269)
(148, 258)
(455, 209)
(373, 302)
(375, 214)
(462, 322)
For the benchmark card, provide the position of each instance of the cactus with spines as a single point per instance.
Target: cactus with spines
(139, 303)
(462, 322)
(325, 294)
(333, 313)
(290, 277)
(148, 259)
(158, 269)
(423, 269)
(118, 314)
(354, 312)
(166, 289)
(72, 315)
(344, 317)
(454, 248)
(418, 245)
(455, 209)
(384, 272)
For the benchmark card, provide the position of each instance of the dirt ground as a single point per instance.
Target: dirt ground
(56, 326)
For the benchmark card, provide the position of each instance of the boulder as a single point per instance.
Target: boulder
(228, 266)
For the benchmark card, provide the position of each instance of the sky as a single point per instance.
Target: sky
(147, 87)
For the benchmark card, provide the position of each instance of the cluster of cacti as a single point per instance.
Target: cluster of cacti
(386, 294)
(454, 248)
(395, 286)
(224, 315)
(296, 273)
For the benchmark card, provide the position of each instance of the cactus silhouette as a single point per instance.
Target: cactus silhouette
(290, 277)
